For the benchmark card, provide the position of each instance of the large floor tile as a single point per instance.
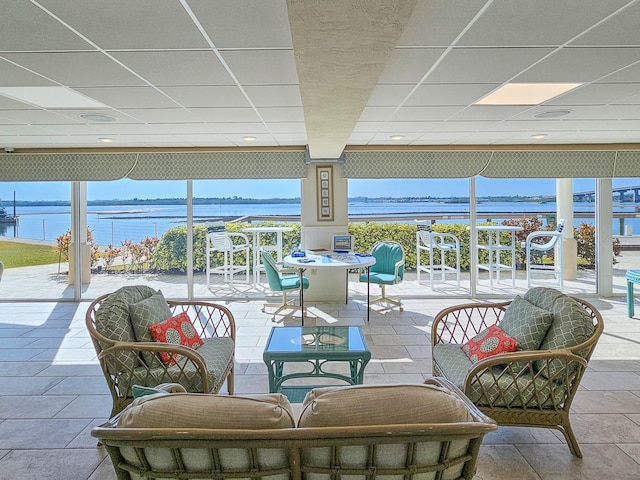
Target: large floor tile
(68, 464)
(501, 462)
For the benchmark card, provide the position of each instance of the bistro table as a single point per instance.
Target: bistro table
(331, 260)
(319, 347)
(496, 249)
(256, 232)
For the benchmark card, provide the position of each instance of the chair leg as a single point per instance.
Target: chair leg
(230, 382)
(569, 436)
(384, 299)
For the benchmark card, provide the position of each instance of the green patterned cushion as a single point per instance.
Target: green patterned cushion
(145, 313)
(453, 362)
(112, 317)
(526, 323)
(571, 326)
(543, 297)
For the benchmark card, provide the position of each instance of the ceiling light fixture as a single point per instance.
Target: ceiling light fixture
(97, 117)
(526, 93)
(552, 114)
(396, 137)
(249, 138)
(106, 140)
(51, 97)
(539, 136)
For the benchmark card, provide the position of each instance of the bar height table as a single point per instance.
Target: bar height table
(256, 232)
(496, 249)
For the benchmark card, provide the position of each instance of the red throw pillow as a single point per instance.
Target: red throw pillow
(488, 343)
(177, 330)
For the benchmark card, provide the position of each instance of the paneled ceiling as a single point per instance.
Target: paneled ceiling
(327, 74)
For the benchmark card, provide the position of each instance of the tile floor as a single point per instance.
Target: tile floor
(52, 392)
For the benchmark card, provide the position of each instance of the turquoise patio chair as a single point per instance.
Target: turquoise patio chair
(388, 270)
(281, 283)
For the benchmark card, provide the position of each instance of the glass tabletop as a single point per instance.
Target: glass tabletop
(307, 339)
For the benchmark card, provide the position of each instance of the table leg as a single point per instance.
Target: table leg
(368, 294)
(301, 273)
(630, 305)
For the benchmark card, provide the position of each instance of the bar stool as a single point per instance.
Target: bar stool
(219, 240)
(430, 242)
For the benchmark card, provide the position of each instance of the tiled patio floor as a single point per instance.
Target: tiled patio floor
(53, 391)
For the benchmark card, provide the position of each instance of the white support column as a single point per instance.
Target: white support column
(324, 285)
(564, 199)
(79, 248)
(473, 236)
(604, 236)
(190, 239)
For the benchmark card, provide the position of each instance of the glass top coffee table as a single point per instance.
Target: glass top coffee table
(321, 349)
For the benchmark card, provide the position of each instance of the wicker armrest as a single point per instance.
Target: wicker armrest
(209, 319)
(460, 323)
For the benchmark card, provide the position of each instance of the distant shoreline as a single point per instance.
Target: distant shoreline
(269, 201)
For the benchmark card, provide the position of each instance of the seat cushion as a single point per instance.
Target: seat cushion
(193, 410)
(113, 320)
(381, 278)
(381, 405)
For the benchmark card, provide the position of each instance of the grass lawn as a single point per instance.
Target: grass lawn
(14, 254)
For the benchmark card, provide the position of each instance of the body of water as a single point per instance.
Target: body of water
(112, 224)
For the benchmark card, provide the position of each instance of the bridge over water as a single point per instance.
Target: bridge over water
(620, 194)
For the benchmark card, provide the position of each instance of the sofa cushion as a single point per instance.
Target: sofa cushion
(177, 330)
(488, 343)
(199, 410)
(112, 317)
(144, 314)
(359, 405)
(527, 323)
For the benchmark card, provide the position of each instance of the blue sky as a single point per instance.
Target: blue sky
(125, 189)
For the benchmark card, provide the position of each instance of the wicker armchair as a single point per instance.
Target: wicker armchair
(532, 388)
(204, 370)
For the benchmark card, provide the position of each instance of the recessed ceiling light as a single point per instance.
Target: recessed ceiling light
(552, 114)
(539, 136)
(97, 117)
(106, 140)
(396, 137)
(249, 138)
(50, 97)
(526, 93)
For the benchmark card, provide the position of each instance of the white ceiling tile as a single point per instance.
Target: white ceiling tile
(376, 114)
(597, 94)
(367, 127)
(441, 138)
(411, 113)
(461, 94)
(287, 127)
(360, 138)
(408, 127)
(290, 139)
(191, 67)
(205, 140)
(162, 115)
(128, 97)
(463, 126)
(262, 67)
(615, 30)
(409, 65)
(385, 138)
(577, 65)
(130, 25)
(388, 95)
(15, 76)
(35, 117)
(481, 65)
(242, 23)
(489, 112)
(435, 23)
(274, 96)
(61, 67)
(207, 96)
(251, 129)
(282, 114)
(545, 22)
(226, 114)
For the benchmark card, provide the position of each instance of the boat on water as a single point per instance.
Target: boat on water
(5, 218)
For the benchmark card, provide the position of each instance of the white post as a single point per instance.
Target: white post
(189, 239)
(564, 205)
(604, 236)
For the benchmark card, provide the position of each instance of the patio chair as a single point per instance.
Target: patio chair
(433, 243)
(533, 386)
(119, 325)
(230, 244)
(388, 270)
(284, 284)
(535, 249)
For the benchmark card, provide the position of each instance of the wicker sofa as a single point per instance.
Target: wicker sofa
(119, 326)
(424, 432)
(534, 385)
